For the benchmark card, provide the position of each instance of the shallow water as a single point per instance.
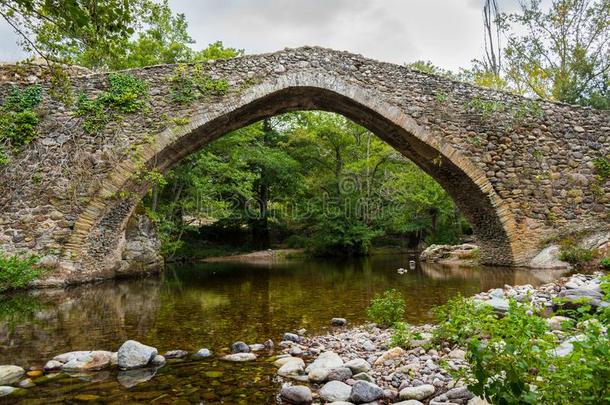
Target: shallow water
(211, 305)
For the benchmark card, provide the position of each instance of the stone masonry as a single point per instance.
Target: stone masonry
(520, 170)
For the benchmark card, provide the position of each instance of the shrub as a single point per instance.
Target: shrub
(460, 319)
(401, 335)
(18, 120)
(386, 309)
(576, 255)
(188, 85)
(602, 167)
(605, 263)
(16, 271)
(126, 94)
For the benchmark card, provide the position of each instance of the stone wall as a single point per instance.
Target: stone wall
(520, 170)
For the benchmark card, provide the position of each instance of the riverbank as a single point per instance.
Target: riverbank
(358, 362)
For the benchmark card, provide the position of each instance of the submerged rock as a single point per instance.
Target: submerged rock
(239, 357)
(202, 354)
(291, 337)
(5, 390)
(10, 374)
(133, 354)
(176, 354)
(338, 321)
(240, 347)
(296, 394)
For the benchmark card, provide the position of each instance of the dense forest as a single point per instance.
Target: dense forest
(311, 180)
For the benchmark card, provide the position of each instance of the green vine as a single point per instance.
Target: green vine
(188, 85)
(18, 119)
(126, 94)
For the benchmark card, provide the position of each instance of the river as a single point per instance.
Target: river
(212, 305)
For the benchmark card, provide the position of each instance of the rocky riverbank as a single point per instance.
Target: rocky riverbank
(348, 365)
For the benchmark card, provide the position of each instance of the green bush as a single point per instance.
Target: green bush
(602, 167)
(512, 360)
(387, 309)
(16, 271)
(18, 120)
(460, 319)
(401, 335)
(576, 255)
(126, 94)
(188, 85)
(605, 263)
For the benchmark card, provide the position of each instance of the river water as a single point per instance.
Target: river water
(211, 305)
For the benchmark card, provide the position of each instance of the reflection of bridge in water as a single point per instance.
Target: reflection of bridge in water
(491, 277)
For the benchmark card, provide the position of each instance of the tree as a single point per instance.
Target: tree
(56, 29)
(562, 53)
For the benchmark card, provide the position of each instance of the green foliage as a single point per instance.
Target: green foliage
(18, 119)
(17, 309)
(126, 94)
(460, 318)
(555, 51)
(485, 108)
(401, 335)
(602, 167)
(576, 255)
(512, 357)
(189, 84)
(16, 271)
(387, 309)
(605, 263)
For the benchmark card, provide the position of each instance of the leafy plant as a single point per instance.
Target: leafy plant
(605, 263)
(18, 119)
(576, 255)
(401, 335)
(126, 94)
(16, 271)
(602, 167)
(188, 84)
(387, 309)
(460, 319)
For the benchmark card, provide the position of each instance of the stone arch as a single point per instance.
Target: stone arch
(94, 245)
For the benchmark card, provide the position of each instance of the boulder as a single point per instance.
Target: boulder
(326, 360)
(88, 361)
(283, 360)
(548, 258)
(292, 368)
(358, 366)
(133, 354)
(10, 374)
(240, 347)
(158, 361)
(291, 337)
(52, 365)
(420, 392)
(339, 374)
(296, 394)
(364, 391)
(6, 390)
(335, 391)
(391, 354)
(338, 321)
(237, 357)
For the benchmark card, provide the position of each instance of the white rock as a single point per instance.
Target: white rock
(10, 374)
(326, 360)
(358, 366)
(134, 354)
(240, 357)
(335, 391)
(548, 258)
(420, 392)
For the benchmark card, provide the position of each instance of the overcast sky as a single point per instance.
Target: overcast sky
(446, 32)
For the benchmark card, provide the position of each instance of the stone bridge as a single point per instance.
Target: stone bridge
(520, 170)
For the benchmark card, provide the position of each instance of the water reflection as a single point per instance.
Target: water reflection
(211, 305)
